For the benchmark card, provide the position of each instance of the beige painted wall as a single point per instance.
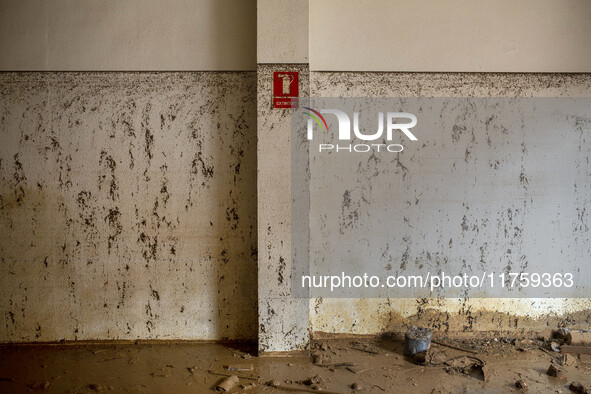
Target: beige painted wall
(282, 31)
(451, 35)
(127, 35)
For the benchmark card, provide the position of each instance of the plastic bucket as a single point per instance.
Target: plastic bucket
(417, 340)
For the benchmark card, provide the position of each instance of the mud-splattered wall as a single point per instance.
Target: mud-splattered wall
(454, 316)
(128, 205)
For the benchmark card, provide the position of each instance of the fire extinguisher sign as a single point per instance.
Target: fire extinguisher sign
(285, 89)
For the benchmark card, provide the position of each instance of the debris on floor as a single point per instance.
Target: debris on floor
(525, 344)
(313, 381)
(578, 337)
(430, 357)
(441, 343)
(274, 383)
(161, 373)
(576, 349)
(359, 368)
(248, 386)
(39, 386)
(561, 333)
(95, 387)
(579, 388)
(498, 364)
(521, 384)
(556, 371)
(240, 367)
(568, 360)
(468, 365)
(228, 383)
(364, 347)
(318, 358)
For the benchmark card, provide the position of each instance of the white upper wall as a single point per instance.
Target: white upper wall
(127, 35)
(282, 31)
(451, 35)
(333, 35)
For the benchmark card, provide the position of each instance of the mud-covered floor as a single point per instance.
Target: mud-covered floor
(337, 366)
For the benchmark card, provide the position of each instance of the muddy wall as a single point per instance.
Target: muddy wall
(380, 49)
(128, 205)
(456, 316)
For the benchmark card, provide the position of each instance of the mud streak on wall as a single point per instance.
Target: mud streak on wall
(128, 205)
(454, 316)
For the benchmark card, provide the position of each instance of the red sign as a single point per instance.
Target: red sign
(286, 89)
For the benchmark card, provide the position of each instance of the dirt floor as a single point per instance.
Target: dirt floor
(337, 366)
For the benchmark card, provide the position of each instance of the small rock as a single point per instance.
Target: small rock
(248, 386)
(555, 346)
(314, 380)
(192, 369)
(94, 387)
(274, 383)
(318, 358)
(40, 386)
(356, 387)
(521, 384)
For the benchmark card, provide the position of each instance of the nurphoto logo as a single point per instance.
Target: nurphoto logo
(395, 122)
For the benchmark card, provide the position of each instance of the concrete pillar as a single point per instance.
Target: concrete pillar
(282, 45)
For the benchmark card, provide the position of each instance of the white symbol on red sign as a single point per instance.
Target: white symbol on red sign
(285, 89)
